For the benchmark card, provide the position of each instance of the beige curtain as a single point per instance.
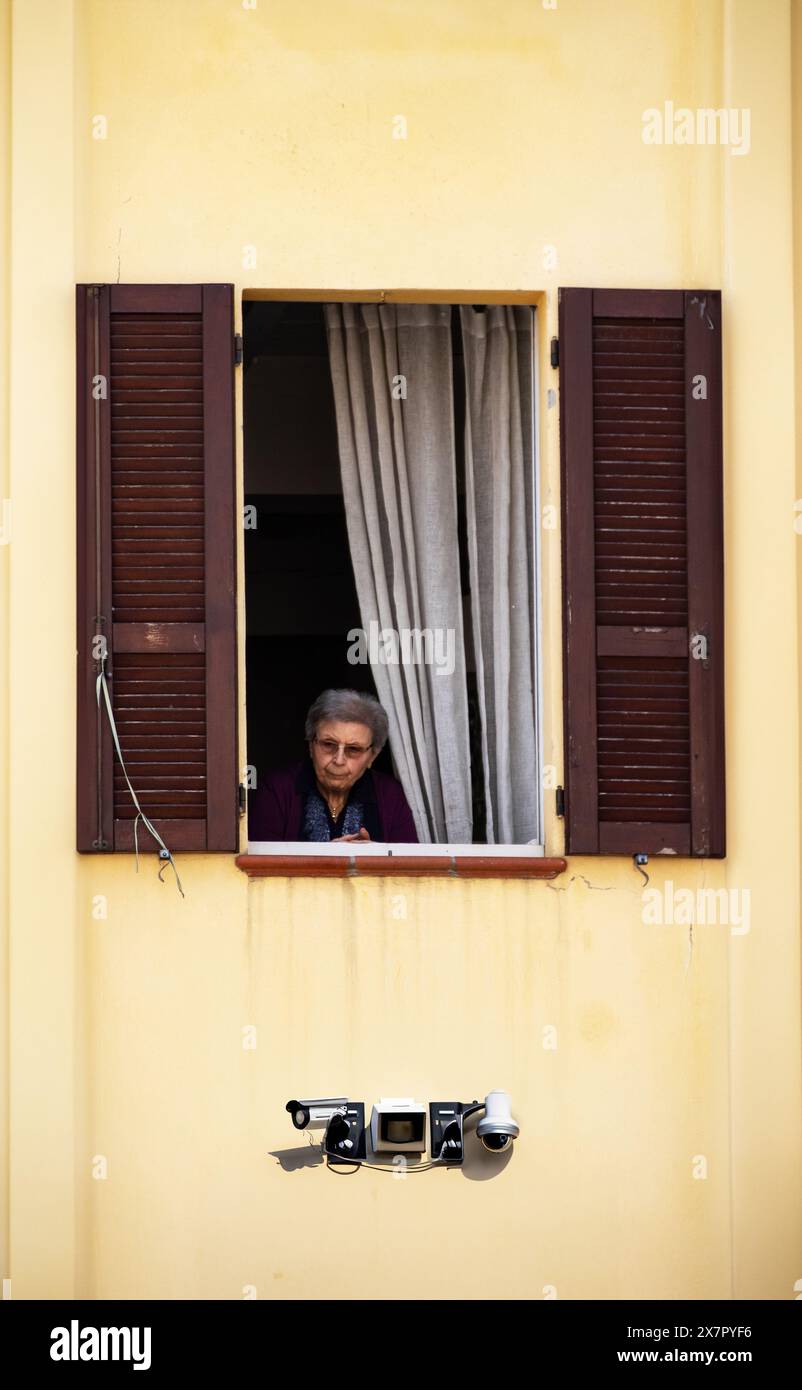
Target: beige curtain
(499, 473)
(391, 371)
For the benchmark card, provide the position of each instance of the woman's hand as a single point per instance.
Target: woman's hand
(360, 835)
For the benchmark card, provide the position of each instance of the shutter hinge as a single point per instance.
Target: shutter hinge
(555, 352)
(237, 349)
(242, 799)
(559, 797)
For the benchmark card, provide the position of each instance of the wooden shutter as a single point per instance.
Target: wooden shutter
(641, 436)
(156, 563)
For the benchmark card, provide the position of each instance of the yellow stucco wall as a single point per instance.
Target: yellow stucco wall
(272, 127)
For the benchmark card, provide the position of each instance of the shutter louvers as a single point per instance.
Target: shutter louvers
(156, 562)
(640, 425)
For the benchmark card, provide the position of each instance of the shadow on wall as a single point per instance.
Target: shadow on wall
(305, 1156)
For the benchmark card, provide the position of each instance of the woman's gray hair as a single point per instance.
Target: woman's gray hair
(349, 707)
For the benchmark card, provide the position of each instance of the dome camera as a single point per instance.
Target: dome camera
(497, 1128)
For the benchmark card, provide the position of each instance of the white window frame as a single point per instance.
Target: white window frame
(354, 849)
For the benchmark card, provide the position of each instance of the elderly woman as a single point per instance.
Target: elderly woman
(334, 794)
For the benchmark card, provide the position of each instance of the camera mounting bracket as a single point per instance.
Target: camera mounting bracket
(341, 1146)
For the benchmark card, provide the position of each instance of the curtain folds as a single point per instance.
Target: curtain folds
(392, 375)
(499, 474)
(391, 369)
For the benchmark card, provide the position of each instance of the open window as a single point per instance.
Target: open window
(391, 548)
(348, 405)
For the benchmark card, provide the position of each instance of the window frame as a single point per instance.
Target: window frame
(533, 850)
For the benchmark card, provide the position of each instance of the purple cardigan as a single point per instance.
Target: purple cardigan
(275, 810)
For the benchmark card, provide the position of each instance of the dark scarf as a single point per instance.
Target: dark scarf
(319, 825)
(360, 809)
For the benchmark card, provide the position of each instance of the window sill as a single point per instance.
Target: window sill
(376, 865)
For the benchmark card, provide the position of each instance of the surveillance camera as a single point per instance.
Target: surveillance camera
(315, 1114)
(343, 1123)
(497, 1129)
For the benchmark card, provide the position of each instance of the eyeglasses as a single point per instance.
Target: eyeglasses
(331, 748)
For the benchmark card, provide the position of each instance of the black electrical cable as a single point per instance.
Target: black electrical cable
(355, 1163)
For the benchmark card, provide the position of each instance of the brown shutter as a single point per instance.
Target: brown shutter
(642, 571)
(156, 564)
